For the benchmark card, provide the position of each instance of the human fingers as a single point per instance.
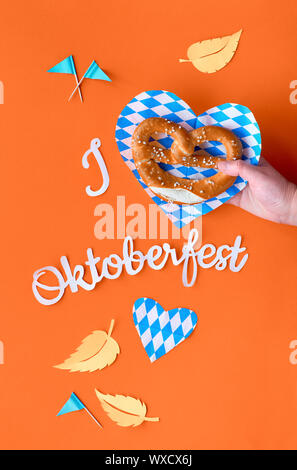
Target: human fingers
(238, 168)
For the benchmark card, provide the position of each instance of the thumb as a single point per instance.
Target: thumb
(238, 168)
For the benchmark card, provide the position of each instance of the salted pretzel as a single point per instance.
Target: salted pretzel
(148, 154)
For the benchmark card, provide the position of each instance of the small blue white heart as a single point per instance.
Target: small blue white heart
(161, 330)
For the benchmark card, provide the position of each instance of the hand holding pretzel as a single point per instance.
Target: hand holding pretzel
(148, 154)
(268, 194)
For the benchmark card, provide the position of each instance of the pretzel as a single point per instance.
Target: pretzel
(148, 154)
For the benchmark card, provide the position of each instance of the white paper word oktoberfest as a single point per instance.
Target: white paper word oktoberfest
(133, 262)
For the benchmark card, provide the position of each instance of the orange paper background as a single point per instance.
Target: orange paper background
(230, 385)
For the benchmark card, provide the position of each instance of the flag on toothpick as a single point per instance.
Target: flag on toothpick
(94, 72)
(75, 404)
(66, 66)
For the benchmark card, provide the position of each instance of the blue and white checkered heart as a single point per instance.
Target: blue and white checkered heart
(159, 330)
(161, 103)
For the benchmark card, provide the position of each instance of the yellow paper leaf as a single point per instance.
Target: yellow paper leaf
(96, 351)
(125, 411)
(212, 55)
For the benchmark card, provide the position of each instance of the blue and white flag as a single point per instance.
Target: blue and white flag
(73, 404)
(96, 73)
(65, 66)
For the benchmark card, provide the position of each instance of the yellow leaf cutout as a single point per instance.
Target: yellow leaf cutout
(125, 411)
(212, 55)
(96, 351)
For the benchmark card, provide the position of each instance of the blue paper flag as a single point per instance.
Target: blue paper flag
(96, 73)
(73, 404)
(65, 66)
